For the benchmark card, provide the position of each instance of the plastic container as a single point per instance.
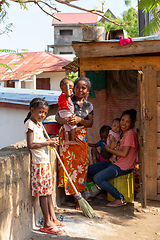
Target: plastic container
(52, 128)
(125, 185)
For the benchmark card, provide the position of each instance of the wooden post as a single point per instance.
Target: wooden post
(150, 129)
(141, 155)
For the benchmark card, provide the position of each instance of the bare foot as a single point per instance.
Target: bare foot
(77, 203)
(59, 223)
(51, 225)
(78, 206)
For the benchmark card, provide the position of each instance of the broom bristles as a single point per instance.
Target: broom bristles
(85, 207)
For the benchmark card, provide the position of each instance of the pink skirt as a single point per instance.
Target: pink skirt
(41, 179)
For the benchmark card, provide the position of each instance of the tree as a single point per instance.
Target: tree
(50, 5)
(130, 16)
(151, 6)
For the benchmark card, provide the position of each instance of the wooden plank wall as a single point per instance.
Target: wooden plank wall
(158, 132)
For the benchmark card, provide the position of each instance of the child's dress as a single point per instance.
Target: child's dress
(66, 109)
(41, 177)
(116, 136)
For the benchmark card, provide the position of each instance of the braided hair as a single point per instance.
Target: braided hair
(36, 102)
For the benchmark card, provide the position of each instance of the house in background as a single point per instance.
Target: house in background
(68, 30)
(14, 107)
(32, 70)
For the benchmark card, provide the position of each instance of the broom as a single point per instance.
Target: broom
(84, 205)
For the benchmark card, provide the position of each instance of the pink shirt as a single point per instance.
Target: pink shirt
(129, 139)
(116, 135)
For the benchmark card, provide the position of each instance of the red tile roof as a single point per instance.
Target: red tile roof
(31, 63)
(75, 18)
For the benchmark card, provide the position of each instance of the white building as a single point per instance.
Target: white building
(14, 107)
(32, 70)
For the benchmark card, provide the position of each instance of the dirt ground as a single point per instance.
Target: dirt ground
(128, 222)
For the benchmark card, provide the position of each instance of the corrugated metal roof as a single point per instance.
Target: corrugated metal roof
(31, 63)
(24, 96)
(75, 18)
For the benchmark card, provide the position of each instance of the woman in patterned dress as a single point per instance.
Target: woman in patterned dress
(75, 157)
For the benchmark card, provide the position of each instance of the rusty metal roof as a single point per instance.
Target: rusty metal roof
(25, 65)
(75, 18)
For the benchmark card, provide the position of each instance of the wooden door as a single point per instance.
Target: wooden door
(11, 84)
(43, 83)
(147, 89)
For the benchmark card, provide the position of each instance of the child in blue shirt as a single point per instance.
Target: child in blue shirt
(102, 155)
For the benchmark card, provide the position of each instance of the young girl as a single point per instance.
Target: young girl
(102, 172)
(41, 178)
(114, 135)
(103, 155)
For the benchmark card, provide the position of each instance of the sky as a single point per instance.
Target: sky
(32, 29)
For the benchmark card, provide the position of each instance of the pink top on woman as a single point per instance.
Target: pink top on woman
(129, 139)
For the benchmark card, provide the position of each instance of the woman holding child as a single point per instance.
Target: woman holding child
(75, 156)
(102, 172)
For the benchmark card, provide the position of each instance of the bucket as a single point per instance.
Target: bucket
(125, 185)
(52, 128)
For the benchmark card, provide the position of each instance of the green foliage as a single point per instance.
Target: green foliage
(72, 75)
(6, 66)
(154, 24)
(130, 16)
(152, 7)
(148, 5)
(127, 2)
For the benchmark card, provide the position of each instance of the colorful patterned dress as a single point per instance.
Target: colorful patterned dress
(76, 161)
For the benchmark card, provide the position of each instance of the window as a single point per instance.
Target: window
(66, 32)
(66, 52)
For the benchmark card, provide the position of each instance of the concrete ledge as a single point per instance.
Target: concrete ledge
(19, 211)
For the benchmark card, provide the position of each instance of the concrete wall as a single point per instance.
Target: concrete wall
(19, 211)
(65, 41)
(11, 125)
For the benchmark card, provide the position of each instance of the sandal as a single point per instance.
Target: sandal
(117, 203)
(51, 231)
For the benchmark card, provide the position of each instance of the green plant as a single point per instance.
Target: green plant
(72, 75)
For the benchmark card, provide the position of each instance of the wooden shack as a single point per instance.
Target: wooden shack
(143, 57)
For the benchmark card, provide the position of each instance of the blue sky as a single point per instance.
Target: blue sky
(33, 29)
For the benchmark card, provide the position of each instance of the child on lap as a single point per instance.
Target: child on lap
(103, 155)
(114, 135)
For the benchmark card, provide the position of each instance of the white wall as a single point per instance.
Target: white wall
(1, 84)
(55, 79)
(11, 125)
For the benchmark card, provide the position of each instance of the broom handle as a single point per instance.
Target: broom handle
(61, 163)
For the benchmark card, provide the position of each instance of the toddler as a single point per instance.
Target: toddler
(103, 155)
(67, 108)
(114, 135)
